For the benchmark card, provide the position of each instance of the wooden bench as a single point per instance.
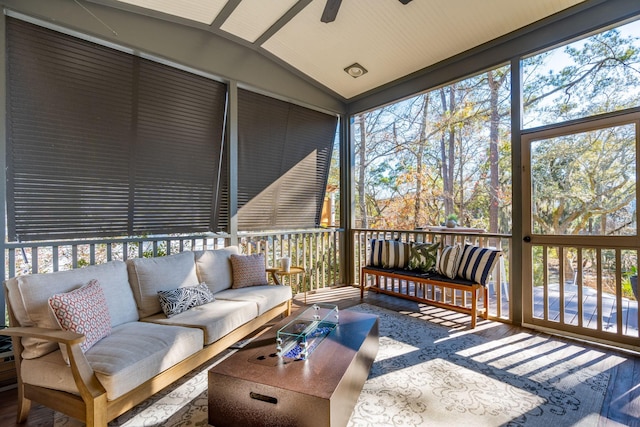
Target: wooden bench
(429, 288)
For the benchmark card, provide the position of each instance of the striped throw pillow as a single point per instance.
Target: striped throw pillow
(448, 261)
(477, 263)
(395, 254)
(375, 258)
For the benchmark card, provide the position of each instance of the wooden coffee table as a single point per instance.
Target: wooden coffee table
(255, 387)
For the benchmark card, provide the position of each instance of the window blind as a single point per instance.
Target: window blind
(284, 154)
(103, 143)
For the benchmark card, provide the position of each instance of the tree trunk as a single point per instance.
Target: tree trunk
(419, 166)
(447, 150)
(493, 153)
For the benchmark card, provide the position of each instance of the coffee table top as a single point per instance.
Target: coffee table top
(321, 372)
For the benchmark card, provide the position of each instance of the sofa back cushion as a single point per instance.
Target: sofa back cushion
(214, 267)
(148, 276)
(29, 299)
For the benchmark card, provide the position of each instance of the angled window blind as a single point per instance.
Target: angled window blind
(284, 154)
(102, 143)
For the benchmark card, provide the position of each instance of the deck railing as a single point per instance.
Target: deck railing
(318, 251)
(500, 284)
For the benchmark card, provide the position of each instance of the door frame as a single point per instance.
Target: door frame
(562, 242)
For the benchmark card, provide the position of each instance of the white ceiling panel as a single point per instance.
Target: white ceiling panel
(253, 17)
(203, 11)
(392, 40)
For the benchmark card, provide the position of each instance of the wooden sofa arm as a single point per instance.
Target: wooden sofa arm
(87, 383)
(55, 335)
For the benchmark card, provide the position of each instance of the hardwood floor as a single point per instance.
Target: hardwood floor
(621, 405)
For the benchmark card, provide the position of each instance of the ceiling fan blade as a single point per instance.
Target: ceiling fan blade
(404, 1)
(330, 10)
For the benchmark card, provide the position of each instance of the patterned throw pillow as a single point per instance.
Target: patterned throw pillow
(83, 311)
(178, 300)
(395, 254)
(248, 270)
(423, 256)
(448, 261)
(375, 259)
(476, 263)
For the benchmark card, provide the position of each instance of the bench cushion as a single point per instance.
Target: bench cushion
(430, 275)
(133, 353)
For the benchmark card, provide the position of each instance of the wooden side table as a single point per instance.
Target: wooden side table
(277, 273)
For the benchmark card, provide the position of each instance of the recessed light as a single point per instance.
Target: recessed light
(355, 70)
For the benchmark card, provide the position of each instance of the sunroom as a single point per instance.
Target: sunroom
(140, 129)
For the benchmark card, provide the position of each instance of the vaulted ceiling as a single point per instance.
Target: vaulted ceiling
(388, 38)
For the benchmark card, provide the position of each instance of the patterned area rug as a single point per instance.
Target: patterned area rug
(428, 375)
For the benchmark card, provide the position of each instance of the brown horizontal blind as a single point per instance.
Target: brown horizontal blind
(68, 126)
(178, 140)
(102, 143)
(284, 154)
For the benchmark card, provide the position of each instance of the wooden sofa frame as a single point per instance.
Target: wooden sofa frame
(91, 405)
(425, 290)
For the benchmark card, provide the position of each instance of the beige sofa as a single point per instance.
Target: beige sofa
(146, 350)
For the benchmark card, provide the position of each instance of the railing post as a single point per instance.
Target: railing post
(347, 216)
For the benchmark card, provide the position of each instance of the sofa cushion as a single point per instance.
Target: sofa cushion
(248, 270)
(216, 319)
(131, 355)
(83, 310)
(214, 267)
(178, 300)
(29, 298)
(148, 276)
(266, 297)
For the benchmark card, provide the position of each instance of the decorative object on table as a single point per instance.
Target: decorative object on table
(298, 338)
(285, 264)
(452, 221)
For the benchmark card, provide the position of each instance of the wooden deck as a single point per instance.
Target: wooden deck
(622, 401)
(589, 308)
